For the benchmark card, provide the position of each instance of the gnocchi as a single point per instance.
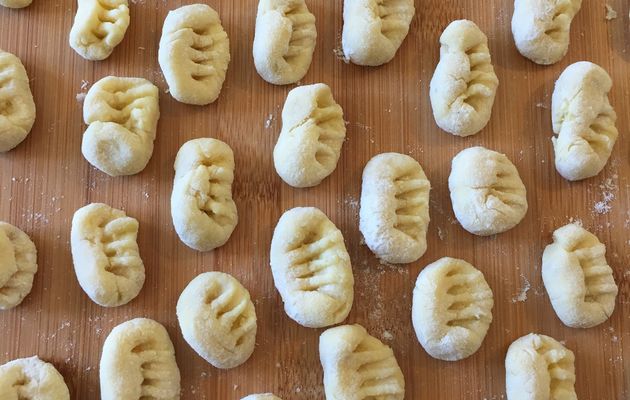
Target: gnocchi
(577, 277)
(541, 28)
(138, 362)
(487, 193)
(203, 211)
(263, 396)
(394, 213)
(31, 379)
(452, 309)
(105, 254)
(218, 319)
(313, 132)
(17, 108)
(15, 3)
(99, 26)
(583, 121)
(539, 367)
(284, 40)
(373, 30)
(311, 268)
(464, 85)
(358, 366)
(122, 116)
(194, 54)
(18, 265)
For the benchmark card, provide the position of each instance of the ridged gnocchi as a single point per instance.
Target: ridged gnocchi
(218, 319)
(17, 108)
(487, 193)
(122, 116)
(99, 26)
(394, 213)
(541, 28)
(452, 309)
(284, 40)
(577, 277)
(583, 120)
(464, 85)
(313, 132)
(373, 30)
(194, 54)
(358, 366)
(138, 362)
(538, 367)
(18, 265)
(15, 3)
(105, 254)
(203, 211)
(311, 268)
(31, 379)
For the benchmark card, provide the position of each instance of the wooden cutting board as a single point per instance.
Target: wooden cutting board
(45, 179)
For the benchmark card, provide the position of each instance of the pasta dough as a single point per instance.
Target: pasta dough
(313, 132)
(138, 362)
(31, 379)
(538, 367)
(452, 309)
(541, 28)
(122, 114)
(17, 109)
(577, 277)
(194, 54)
(487, 193)
(311, 268)
(99, 26)
(394, 214)
(464, 84)
(105, 254)
(265, 396)
(373, 30)
(358, 366)
(15, 3)
(18, 265)
(284, 40)
(583, 120)
(218, 319)
(204, 214)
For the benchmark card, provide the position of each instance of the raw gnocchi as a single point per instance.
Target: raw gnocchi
(204, 214)
(464, 84)
(263, 396)
(487, 193)
(583, 120)
(218, 319)
(452, 309)
(539, 367)
(17, 108)
(122, 116)
(313, 132)
(99, 26)
(284, 40)
(541, 28)
(105, 254)
(194, 54)
(394, 213)
(18, 265)
(373, 30)
(311, 268)
(31, 379)
(577, 277)
(138, 362)
(15, 3)
(358, 366)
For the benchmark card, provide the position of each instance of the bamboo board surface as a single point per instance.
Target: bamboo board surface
(45, 179)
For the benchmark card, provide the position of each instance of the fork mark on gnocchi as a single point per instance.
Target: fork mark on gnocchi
(311, 268)
(31, 379)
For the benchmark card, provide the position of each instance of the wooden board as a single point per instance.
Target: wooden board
(45, 179)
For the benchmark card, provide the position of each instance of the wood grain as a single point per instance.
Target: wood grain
(45, 179)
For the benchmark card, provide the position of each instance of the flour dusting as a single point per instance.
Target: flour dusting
(522, 295)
